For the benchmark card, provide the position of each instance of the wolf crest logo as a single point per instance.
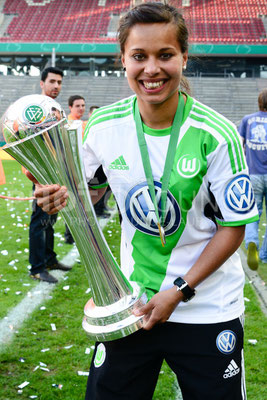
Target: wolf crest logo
(188, 166)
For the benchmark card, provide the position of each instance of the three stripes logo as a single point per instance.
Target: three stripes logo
(119, 163)
(231, 370)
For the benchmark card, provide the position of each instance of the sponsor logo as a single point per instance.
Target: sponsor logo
(231, 370)
(100, 355)
(188, 166)
(34, 114)
(141, 212)
(239, 195)
(226, 341)
(119, 163)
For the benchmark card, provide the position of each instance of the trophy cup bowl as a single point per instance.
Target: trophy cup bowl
(39, 137)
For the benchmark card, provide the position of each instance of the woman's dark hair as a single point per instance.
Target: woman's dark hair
(147, 13)
(262, 100)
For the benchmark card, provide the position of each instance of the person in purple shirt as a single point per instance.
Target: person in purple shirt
(253, 129)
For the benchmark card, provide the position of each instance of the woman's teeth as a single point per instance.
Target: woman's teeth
(153, 85)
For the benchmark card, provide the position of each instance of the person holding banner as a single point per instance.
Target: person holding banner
(177, 169)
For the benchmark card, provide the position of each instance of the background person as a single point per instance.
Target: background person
(42, 256)
(77, 108)
(253, 129)
(203, 226)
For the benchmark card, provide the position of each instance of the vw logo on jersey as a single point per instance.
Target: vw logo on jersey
(226, 342)
(141, 212)
(188, 166)
(239, 195)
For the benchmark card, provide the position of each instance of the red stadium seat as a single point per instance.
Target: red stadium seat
(229, 21)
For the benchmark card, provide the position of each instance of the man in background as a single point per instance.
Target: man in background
(41, 235)
(253, 130)
(77, 109)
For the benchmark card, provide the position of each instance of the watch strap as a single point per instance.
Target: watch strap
(187, 291)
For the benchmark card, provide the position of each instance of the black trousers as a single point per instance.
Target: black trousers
(206, 358)
(41, 240)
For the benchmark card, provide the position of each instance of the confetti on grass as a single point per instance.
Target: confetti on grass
(23, 385)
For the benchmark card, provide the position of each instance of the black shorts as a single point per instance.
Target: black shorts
(206, 358)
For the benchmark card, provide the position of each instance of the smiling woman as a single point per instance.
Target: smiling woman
(172, 164)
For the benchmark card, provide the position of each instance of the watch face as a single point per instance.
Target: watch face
(185, 289)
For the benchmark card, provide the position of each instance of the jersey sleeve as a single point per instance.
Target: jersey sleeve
(230, 183)
(94, 173)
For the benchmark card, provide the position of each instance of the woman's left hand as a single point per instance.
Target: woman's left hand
(159, 308)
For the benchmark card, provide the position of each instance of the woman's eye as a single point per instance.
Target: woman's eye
(138, 57)
(166, 56)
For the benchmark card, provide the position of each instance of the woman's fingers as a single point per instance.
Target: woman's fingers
(30, 176)
(51, 198)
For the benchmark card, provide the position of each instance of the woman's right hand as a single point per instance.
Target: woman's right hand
(51, 198)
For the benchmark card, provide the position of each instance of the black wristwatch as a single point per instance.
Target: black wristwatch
(185, 289)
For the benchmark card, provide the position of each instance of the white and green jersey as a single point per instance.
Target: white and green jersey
(209, 184)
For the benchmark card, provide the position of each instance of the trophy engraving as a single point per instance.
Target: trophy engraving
(39, 137)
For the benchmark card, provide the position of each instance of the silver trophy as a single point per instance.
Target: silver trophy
(39, 137)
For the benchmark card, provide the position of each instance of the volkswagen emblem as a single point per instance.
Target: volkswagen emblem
(226, 341)
(239, 195)
(141, 212)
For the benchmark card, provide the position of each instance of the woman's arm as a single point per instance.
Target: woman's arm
(223, 244)
(52, 198)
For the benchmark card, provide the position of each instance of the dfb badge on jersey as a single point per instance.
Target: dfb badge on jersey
(140, 210)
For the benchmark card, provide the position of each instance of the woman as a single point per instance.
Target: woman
(163, 144)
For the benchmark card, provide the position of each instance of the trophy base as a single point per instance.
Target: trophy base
(116, 320)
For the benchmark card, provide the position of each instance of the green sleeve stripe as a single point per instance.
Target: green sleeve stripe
(107, 113)
(94, 187)
(238, 223)
(229, 144)
(231, 131)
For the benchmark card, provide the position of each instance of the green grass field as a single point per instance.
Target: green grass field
(22, 360)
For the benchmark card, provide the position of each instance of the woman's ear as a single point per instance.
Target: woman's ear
(123, 61)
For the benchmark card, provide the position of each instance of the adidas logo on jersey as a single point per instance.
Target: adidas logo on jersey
(231, 370)
(119, 163)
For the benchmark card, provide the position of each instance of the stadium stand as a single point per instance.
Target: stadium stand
(233, 98)
(213, 21)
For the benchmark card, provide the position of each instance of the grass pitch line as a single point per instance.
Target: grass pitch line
(40, 293)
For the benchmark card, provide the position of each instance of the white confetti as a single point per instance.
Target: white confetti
(4, 252)
(35, 369)
(252, 341)
(82, 373)
(87, 350)
(18, 292)
(22, 385)
(53, 327)
(44, 350)
(12, 262)
(42, 364)
(43, 308)
(66, 287)
(68, 347)
(246, 299)
(88, 290)
(45, 369)
(33, 397)
(18, 240)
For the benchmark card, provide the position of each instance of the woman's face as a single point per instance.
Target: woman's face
(154, 62)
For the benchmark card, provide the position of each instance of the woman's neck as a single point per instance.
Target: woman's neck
(158, 116)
